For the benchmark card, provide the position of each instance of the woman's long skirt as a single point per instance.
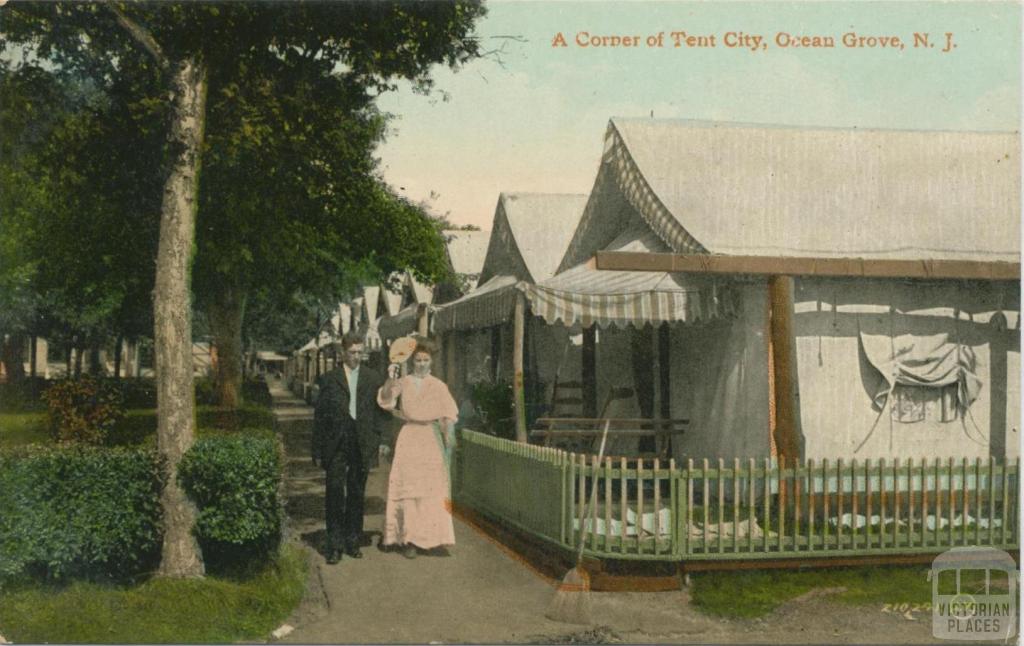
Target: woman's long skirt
(418, 507)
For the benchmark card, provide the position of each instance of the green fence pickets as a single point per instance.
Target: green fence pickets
(952, 502)
(689, 507)
(751, 502)
(657, 507)
(676, 508)
(910, 502)
(543, 492)
(811, 511)
(965, 505)
(978, 509)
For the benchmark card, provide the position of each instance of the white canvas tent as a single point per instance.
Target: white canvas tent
(707, 188)
(528, 236)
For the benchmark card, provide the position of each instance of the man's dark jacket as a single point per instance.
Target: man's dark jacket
(332, 426)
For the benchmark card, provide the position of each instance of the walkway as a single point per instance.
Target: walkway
(481, 593)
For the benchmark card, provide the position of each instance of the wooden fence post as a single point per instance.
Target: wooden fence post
(518, 396)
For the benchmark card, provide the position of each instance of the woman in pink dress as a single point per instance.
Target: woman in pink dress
(418, 515)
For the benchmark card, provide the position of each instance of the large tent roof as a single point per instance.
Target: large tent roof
(530, 233)
(707, 187)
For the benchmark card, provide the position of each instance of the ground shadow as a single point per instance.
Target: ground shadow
(374, 505)
(317, 540)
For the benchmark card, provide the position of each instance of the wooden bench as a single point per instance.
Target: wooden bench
(585, 433)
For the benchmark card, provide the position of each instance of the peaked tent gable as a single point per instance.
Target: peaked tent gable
(708, 187)
(392, 299)
(371, 303)
(466, 252)
(420, 292)
(530, 233)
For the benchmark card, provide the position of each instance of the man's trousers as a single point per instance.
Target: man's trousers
(346, 489)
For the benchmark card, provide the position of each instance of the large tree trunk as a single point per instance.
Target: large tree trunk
(172, 316)
(226, 313)
(13, 357)
(78, 361)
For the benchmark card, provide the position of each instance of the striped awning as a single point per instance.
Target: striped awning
(489, 304)
(587, 296)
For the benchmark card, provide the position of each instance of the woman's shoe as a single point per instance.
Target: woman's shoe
(409, 551)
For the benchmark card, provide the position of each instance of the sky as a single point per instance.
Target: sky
(532, 117)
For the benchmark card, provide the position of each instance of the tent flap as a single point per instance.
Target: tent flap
(922, 360)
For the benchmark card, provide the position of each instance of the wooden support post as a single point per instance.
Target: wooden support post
(422, 321)
(518, 395)
(783, 348)
(780, 293)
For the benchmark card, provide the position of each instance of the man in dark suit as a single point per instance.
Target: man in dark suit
(347, 434)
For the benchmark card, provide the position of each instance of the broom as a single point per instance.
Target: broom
(571, 604)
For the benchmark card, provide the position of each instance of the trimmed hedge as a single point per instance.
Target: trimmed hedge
(235, 482)
(94, 513)
(79, 512)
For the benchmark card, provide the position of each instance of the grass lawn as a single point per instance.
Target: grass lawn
(206, 610)
(757, 593)
(17, 429)
(138, 424)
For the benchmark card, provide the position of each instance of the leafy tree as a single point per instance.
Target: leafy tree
(77, 164)
(194, 48)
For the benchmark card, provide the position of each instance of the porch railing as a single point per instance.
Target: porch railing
(654, 509)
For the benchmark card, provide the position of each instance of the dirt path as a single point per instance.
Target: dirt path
(484, 594)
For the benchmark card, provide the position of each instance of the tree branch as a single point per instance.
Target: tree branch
(141, 35)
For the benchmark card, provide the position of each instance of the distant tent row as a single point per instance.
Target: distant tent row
(797, 292)
(384, 312)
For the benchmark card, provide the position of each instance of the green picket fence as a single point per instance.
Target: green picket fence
(653, 510)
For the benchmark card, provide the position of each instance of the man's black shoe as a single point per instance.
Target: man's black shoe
(333, 557)
(354, 551)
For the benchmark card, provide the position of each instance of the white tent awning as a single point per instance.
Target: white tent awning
(586, 296)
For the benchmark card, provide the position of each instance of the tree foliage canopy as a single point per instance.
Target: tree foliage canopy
(289, 197)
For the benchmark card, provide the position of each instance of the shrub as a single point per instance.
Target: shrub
(494, 403)
(257, 392)
(234, 481)
(138, 392)
(78, 512)
(23, 396)
(83, 410)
